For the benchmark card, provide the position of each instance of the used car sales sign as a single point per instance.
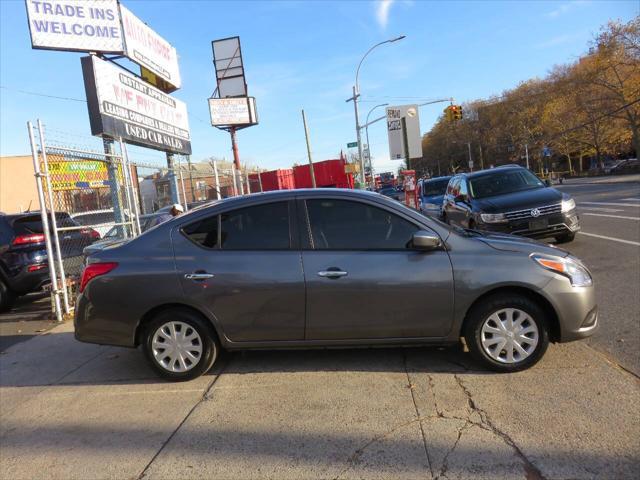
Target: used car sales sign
(82, 25)
(122, 105)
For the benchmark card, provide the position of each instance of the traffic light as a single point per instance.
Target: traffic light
(453, 113)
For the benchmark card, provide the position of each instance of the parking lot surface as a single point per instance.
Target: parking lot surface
(71, 410)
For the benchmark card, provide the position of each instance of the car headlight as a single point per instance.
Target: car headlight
(570, 268)
(493, 217)
(568, 205)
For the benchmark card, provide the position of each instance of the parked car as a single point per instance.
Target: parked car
(115, 236)
(631, 165)
(323, 267)
(510, 200)
(23, 255)
(100, 220)
(392, 192)
(431, 194)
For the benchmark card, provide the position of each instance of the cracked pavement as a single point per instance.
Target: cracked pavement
(70, 410)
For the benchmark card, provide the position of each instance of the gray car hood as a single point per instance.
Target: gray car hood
(513, 243)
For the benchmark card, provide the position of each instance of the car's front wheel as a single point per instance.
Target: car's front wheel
(566, 238)
(180, 344)
(507, 333)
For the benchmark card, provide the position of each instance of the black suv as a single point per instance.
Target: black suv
(511, 200)
(23, 253)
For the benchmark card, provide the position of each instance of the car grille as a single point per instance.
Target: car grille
(522, 214)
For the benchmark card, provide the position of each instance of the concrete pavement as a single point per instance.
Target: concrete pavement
(70, 410)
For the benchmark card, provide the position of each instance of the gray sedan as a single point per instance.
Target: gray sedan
(318, 268)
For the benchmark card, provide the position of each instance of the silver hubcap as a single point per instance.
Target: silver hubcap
(176, 347)
(509, 335)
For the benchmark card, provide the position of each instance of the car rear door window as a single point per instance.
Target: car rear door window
(261, 227)
(348, 225)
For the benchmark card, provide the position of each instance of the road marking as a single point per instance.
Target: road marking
(610, 204)
(600, 209)
(611, 216)
(610, 238)
(632, 199)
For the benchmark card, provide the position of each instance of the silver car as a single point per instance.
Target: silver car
(318, 268)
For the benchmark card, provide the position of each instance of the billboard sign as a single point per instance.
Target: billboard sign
(233, 111)
(75, 25)
(149, 50)
(227, 59)
(121, 105)
(74, 175)
(395, 115)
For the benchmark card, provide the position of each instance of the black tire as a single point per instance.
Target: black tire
(566, 238)
(482, 311)
(7, 297)
(210, 347)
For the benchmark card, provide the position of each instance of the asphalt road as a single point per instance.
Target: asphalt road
(609, 244)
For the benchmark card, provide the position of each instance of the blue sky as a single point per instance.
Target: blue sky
(303, 55)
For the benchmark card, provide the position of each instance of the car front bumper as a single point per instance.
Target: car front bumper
(548, 226)
(575, 307)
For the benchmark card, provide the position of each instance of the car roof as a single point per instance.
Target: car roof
(435, 179)
(489, 171)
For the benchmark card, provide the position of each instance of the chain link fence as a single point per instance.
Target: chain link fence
(93, 193)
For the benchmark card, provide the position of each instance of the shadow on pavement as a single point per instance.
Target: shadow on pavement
(30, 316)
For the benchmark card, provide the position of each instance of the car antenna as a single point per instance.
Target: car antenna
(29, 207)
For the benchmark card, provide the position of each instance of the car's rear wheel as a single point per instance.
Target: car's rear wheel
(566, 238)
(7, 297)
(507, 333)
(180, 344)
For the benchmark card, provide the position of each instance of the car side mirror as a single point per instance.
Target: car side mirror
(423, 240)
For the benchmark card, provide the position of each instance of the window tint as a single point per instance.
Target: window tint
(346, 225)
(33, 223)
(431, 188)
(263, 227)
(503, 181)
(204, 232)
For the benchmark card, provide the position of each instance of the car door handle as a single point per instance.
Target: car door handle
(332, 273)
(198, 276)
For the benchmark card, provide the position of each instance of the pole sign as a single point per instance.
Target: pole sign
(121, 105)
(149, 50)
(76, 25)
(396, 133)
(233, 111)
(352, 145)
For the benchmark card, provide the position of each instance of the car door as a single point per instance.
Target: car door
(365, 281)
(244, 267)
(463, 204)
(449, 204)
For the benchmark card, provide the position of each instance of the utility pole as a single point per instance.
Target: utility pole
(306, 136)
(526, 154)
(359, 139)
(193, 193)
(470, 159)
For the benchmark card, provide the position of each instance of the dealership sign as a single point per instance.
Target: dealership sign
(122, 105)
(396, 131)
(233, 111)
(78, 25)
(150, 50)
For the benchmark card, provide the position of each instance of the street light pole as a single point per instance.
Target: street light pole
(366, 129)
(356, 94)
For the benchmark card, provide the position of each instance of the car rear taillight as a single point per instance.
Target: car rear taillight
(28, 239)
(94, 270)
(36, 267)
(91, 232)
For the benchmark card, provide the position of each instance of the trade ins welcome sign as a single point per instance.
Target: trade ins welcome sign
(80, 25)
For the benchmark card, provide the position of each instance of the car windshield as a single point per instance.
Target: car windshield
(433, 188)
(504, 181)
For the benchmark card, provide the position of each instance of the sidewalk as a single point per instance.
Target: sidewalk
(634, 177)
(70, 410)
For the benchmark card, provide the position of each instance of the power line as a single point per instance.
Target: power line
(37, 94)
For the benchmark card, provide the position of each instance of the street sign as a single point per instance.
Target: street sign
(352, 145)
(470, 163)
(351, 168)
(397, 135)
